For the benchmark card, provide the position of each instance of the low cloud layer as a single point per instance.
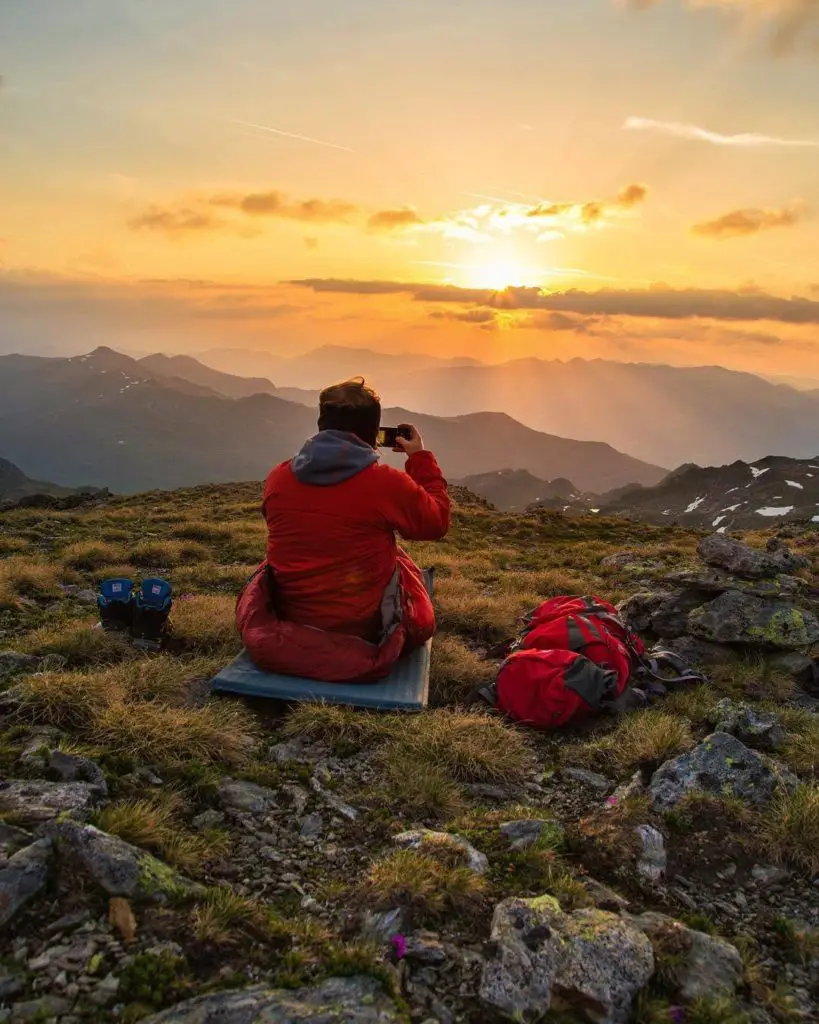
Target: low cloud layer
(694, 133)
(278, 204)
(658, 302)
(391, 220)
(740, 223)
(178, 220)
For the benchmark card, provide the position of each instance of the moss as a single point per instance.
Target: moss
(156, 878)
(154, 980)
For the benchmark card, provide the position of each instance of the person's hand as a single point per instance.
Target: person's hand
(414, 443)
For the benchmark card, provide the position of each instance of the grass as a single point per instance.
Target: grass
(456, 670)
(427, 884)
(25, 577)
(789, 828)
(468, 609)
(90, 555)
(702, 809)
(206, 622)
(642, 738)
(801, 751)
(799, 939)
(165, 553)
(79, 643)
(754, 678)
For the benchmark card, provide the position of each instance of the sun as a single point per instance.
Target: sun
(497, 270)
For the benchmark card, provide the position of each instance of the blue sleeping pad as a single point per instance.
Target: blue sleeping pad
(406, 688)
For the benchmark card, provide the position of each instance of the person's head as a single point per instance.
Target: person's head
(351, 406)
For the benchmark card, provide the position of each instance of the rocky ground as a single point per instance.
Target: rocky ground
(166, 856)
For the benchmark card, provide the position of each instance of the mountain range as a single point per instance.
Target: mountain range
(132, 425)
(665, 415)
(512, 490)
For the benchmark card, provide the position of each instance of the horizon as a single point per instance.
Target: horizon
(560, 182)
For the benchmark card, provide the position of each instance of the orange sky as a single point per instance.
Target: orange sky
(645, 179)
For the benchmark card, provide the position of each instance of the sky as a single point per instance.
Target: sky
(496, 178)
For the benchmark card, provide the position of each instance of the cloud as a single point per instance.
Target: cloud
(175, 220)
(789, 21)
(393, 220)
(740, 223)
(468, 316)
(310, 242)
(747, 140)
(277, 204)
(658, 301)
(592, 212)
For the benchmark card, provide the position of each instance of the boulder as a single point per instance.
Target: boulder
(238, 795)
(695, 965)
(119, 868)
(74, 768)
(355, 1000)
(670, 620)
(590, 961)
(761, 729)
(604, 897)
(720, 765)
(587, 778)
(716, 581)
(12, 663)
(421, 838)
(23, 877)
(700, 652)
(740, 560)
(638, 609)
(13, 838)
(34, 801)
(736, 618)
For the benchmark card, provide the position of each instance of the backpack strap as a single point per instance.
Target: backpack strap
(658, 660)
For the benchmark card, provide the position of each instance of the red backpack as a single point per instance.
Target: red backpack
(576, 656)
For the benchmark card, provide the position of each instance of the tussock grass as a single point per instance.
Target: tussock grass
(421, 793)
(69, 700)
(789, 828)
(79, 643)
(206, 623)
(801, 751)
(640, 738)
(161, 553)
(199, 530)
(456, 670)
(13, 545)
(331, 723)
(164, 677)
(424, 883)
(154, 732)
(154, 825)
(610, 831)
(90, 555)
(462, 606)
(752, 678)
(115, 570)
(22, 576)
(696, 703)
(211, 576)
(223, 917)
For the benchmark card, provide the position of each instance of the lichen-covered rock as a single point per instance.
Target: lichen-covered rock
(720, 765)
(23, 877)
(700, 652)
(119, 868)
(421, 838)
(696, 965)
(34, 801)
(724, 553)
(523, 832)
(638, 609)
(761, 729)
(590, 961)
(238, 795)
(716, 581)
(356, 1000)
(754, 622)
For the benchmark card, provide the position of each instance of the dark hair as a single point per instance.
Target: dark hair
(351, 406)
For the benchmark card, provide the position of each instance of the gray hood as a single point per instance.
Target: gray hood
(331, 457)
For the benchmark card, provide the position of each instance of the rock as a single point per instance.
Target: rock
(283, 753)
(299, 797)
(696, 965)
(34, 801)
(524, 832)
(68, 922)
(598, 782)
(756, 729)
(710, 582)
(41, 1009)
(85, 596)
(208, 819)
(73, 768)
(421, 838)
(23, 877)
(12, 663)
(754, 622)
(355, 1000)
(632, 563)
(590, 961)
(604, 897)
(634, 787)
(488, 791)
(720, 765)
(119, 868)
(425, 947)
(106, 991)
(671, 619)
(380, 926)
(350, 813)
(311, 826)
(13, 838)
(699, 652)
(11, 983)
(653, 859)
(769, 875)
(638, 609)
(238, 795)
(740, 560)
(792, 662)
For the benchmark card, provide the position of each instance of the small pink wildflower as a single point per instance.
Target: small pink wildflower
(399, 946)
(612, 801)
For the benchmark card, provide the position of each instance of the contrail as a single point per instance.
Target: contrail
(694, 132)
(292, 135)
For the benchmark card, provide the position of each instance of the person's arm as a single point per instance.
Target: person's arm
(417, 502)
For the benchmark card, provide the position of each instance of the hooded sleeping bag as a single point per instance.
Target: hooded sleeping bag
(337, 599)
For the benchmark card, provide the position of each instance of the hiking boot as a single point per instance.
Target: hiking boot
(151, 610)
(115, 602)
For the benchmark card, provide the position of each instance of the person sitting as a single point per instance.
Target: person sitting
(337, 598)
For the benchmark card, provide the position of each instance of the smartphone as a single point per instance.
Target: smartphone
(387, 436)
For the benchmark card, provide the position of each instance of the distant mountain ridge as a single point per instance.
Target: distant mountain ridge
(117, 422)
(739, 496)
(15, 485)
(512, 490)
